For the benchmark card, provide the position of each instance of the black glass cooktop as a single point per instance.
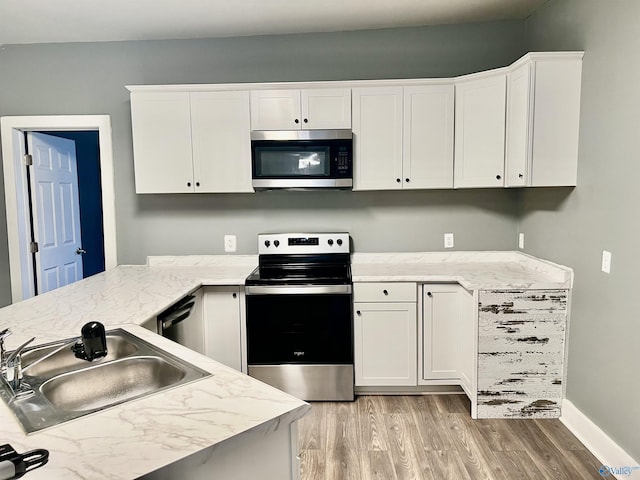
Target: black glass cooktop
(297, 270)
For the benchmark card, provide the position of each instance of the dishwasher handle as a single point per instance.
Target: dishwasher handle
(172, 320)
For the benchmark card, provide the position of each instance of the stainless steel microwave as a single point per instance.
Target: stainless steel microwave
(302, 159)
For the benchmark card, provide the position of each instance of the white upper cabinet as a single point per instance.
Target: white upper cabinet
(221, 141)
(191, 142)
(480, 130)
(311, 109)
(326, 108)
(518, 140)
(161, 123)
(377, 130)
(403, 137)
(543, 116)
(514, 126)
(428, 137)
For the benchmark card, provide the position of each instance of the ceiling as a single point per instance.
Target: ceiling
(46, 21)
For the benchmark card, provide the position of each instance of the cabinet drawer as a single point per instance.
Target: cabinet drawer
(385, 292)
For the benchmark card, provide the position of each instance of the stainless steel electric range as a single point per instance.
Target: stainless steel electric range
(299, 315)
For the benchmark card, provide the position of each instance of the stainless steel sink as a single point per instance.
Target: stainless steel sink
(65, 361)
(114, 382)
(65, 388)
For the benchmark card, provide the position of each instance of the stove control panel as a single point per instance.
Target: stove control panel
(288, 243)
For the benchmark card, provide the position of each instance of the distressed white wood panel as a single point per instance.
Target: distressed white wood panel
(551, 324)
(521, 343)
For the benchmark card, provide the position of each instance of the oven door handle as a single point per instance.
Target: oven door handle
(298, 290)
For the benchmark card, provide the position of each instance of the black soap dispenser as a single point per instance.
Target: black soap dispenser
(93, 342)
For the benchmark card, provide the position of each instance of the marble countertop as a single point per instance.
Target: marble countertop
(163, 428)
(138, 437)
(472, 270)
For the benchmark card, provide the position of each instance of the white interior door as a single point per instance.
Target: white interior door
(56, 211)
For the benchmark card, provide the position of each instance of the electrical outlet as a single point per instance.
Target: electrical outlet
(229, 243)
(521, 240)
(448, 240)
(606, 261)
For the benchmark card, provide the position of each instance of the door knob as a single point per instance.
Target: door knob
(80, 251)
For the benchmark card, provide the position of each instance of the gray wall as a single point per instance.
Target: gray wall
(90, 79)
(601, 213)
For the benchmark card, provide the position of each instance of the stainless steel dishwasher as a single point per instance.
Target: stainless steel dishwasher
(182, 322)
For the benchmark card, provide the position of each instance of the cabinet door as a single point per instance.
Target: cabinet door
(377, 129)
(479, 132)
(275, 110)
(326, 108)
(441, 332)
(221, 134)
(428, 137)
(223, 341)
(556, 122)
(161, 125)
(385, 344)
(519, 116)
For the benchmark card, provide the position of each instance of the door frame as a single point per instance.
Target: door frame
(12, 151)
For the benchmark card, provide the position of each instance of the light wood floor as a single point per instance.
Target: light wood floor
(434, 437)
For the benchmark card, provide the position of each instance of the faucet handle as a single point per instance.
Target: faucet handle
(4, 333)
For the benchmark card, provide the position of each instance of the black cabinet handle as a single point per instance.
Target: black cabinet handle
(385, 292)
(407, 180)
(498, 177)
(429, 294)
(306, 120)
(398, 180)
(297, 121)
(358, 312)
(197, 184)
(234, 295)
(188, 184)
(520, 175)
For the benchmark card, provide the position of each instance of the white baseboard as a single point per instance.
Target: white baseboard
(600, 444)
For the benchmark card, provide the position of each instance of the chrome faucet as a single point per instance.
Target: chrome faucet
(14, 368)
(92, 344)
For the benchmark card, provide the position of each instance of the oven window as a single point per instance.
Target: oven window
(298, 161)
(304, 329)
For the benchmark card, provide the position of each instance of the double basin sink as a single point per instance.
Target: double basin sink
(65, 387)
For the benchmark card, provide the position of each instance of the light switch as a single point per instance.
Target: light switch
(521, 240)
(448, 240)
(229, 243)
(606, 261)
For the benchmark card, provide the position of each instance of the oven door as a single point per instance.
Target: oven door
(300, 339)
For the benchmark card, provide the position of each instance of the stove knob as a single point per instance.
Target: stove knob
(267, 243)
(276, 243)
(339, 241)
(330, 242)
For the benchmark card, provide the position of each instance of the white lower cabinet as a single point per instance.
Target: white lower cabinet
(441, 333)
(385, 334)
(223, 332)
(399, 344)
(446, 337)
